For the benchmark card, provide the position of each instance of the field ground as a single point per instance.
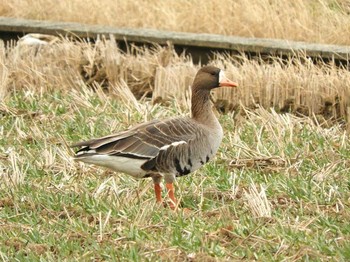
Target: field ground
(278, 190)
(319, 21)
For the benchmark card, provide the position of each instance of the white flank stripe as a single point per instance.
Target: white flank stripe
(173, 144)
(92, 151)
(117, 163)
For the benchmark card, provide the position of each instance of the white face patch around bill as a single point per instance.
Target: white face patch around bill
(173, 144)
(221, 76)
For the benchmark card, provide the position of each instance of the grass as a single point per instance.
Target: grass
(278, 189)
(319, 21)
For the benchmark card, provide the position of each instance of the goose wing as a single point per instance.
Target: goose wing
(141, 142)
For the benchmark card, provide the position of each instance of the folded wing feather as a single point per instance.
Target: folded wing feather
(143, 141)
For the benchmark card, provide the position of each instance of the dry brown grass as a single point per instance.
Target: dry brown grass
(321, 21)
(290, 204)
(297, 86)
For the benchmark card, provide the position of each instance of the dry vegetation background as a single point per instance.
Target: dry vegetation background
(321, 21)
(278, 190)
(296, 86)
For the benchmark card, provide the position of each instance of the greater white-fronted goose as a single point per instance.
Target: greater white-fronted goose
(164, 148)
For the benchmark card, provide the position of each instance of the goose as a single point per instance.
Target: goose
(37, 40)
(164, 149)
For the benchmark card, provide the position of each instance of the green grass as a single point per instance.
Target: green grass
(54, 209)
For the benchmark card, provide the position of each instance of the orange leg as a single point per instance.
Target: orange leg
(171, 193)
(158, 191)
